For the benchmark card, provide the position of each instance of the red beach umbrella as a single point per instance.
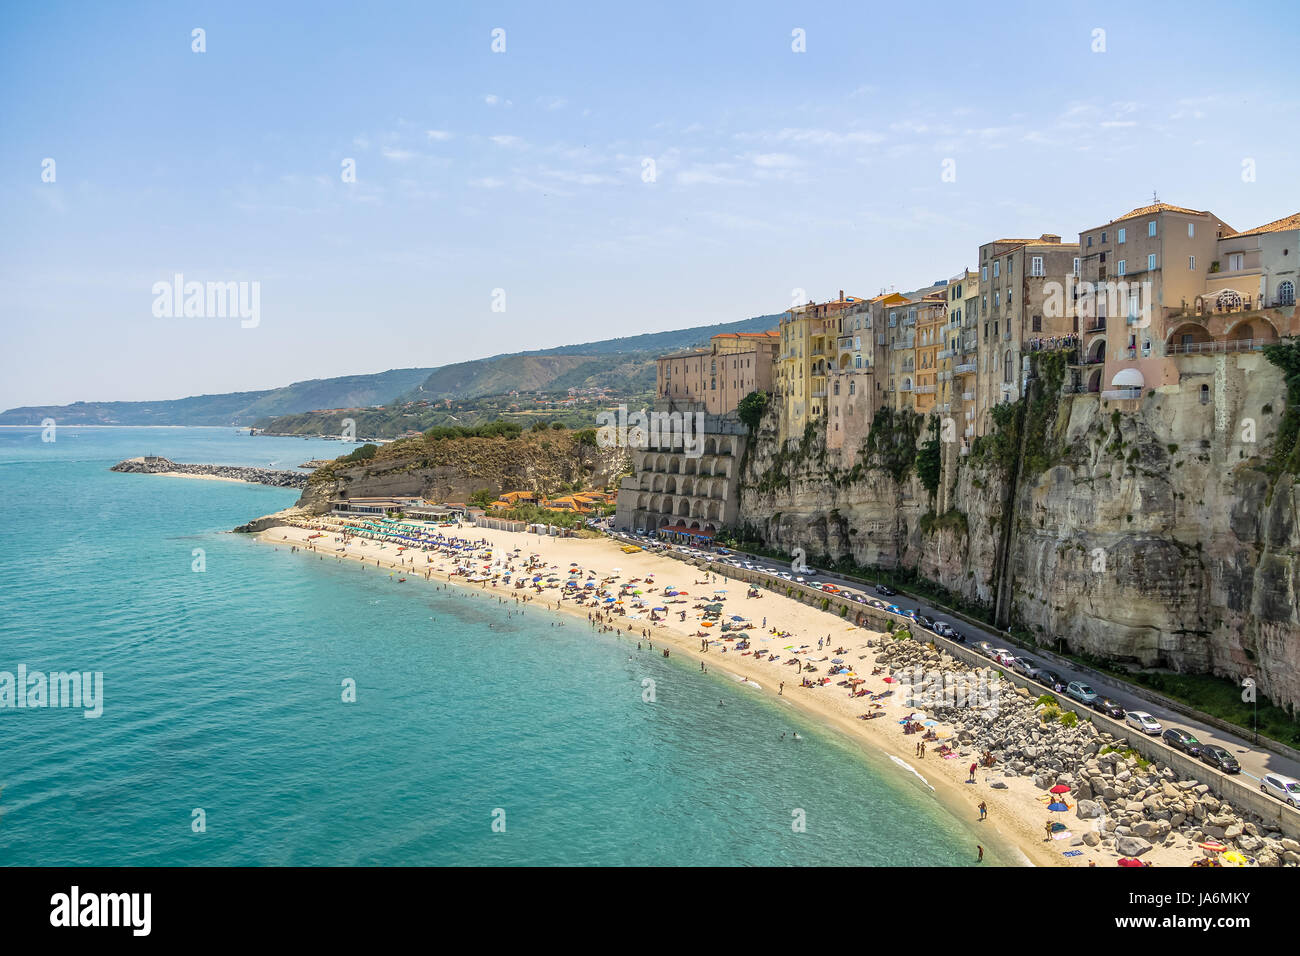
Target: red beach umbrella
(1060, 788)
(1129, 861)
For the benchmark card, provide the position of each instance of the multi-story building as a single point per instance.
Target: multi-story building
(883, 307)
(734, 364)
(958, 355)
(932, 315)
(1023, 304)
(850, 398)
(808, 349)
(1139, 272)
(901, 363)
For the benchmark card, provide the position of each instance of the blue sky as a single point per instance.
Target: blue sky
(523, 170)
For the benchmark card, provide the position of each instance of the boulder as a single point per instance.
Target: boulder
(1131, 845)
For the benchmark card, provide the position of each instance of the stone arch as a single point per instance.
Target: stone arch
(1097, 350)
(710, 446)
(1255, 328)
(1188, 333)
(683, 508)
(674, 464)
(714, 510)
(1094, 381)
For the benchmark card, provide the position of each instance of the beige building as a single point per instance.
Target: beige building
(734, 364)
(1023, 303)
(958, 356)
(1142, 270)
(851, 393)
(932, 315)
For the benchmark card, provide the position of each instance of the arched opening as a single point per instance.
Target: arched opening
(1094, 381)
(1286, 293)
(1205, 394)
(683, 508)
(1188, 337)
(1097, 351)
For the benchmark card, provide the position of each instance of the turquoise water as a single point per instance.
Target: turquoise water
(222, 691)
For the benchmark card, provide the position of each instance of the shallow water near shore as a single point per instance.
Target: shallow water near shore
(223, 694)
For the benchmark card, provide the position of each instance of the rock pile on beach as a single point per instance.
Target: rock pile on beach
(1136, 804)
(152, 465)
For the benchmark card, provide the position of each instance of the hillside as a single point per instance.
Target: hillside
(625, 364)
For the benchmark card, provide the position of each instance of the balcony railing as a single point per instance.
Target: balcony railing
(905, 387)
(895, 346)
(965, 368)
(1122, 394)
(945, 354)
(1235, 345)
(1095, 325)
(924, 389)
(968, 396)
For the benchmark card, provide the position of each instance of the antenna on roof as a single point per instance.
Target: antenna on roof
(1154, 198)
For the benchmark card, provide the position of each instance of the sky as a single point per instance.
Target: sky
(613, 169)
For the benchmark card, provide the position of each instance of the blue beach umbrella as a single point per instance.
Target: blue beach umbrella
(1057, 807)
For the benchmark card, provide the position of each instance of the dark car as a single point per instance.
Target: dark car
(925, 622)
(886, 590)
(1109, 707)
(1220, 758)
(957, 636)
(1052, 680)
(1182, 740)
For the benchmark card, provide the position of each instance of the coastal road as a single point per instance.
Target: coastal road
(1255, 761)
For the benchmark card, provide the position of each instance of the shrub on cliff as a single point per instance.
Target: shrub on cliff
(1286, 446)
(751, 408)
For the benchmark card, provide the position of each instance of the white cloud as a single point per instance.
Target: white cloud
(397, 155)
(438, 135)
(510, 142)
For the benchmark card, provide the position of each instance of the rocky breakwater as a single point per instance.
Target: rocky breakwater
(1122, 802)
(152, 465)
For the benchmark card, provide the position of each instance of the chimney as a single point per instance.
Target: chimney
(841, 295)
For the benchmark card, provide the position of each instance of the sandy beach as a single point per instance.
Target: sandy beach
(1016, 815)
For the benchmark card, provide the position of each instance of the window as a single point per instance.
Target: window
(1123, 270)
(1011, 265)
(1076, 263)
(1036, 266)
(1090, 242)
(1151, 229)
(1038, 323)
(1008, 369)
(1191, 263)
(984, 274)
(853, 387)
(1236, 261)
(1286, 293)
(1191, 230)
(1205, 394)
(1151, 261)
(1103, 238)
(1122, 236)
(997, 269)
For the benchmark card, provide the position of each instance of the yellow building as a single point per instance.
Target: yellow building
(932, 313)
(807, 355)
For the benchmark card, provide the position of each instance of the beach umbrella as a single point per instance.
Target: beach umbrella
(609, 600)
(889, 680)
(706, 624)
(736, 617)
(1212, 847)
(1128, 861)
(660, 609)
(1060, 788)
(1057, 807)
(931, 723)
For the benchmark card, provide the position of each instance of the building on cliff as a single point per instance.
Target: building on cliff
(809, 337)
(851, 391)
(931, 316)
(1022, 302)
(1167, 282)
(718, 377)
(958, 356)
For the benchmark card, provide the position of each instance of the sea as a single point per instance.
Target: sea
(266, 708)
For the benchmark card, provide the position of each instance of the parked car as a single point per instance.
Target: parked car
(1052, 680)
(885, 590)
(1182, 740)
(1143, 721)
(1284, 788)
(943, 629)
(1108, 707)
(1220, 758)
(877, 604)
(957, 636)
(1004, 657)
(1023, 665)
(1080, 692)
(985, 648)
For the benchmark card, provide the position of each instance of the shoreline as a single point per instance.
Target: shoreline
(1010, 809)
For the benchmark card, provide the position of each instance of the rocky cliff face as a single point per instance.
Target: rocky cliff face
(1150, 533)
(452, 469)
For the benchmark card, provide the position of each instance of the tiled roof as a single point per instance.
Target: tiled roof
(1277, 225)
(1160, 207)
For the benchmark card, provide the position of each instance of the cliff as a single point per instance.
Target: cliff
(453, 469)
(1160, 534)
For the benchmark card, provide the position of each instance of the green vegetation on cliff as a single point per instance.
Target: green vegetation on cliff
(1286, 446)
(891, 443)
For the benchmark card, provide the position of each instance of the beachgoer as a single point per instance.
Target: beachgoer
(984, 810)
(981, 849)
(971, 778)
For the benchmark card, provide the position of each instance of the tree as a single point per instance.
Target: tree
(928, 461)
(483, 497)
(751, 409)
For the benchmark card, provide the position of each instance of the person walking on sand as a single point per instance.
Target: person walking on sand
(981, 849)
(984, 810)
(781, 690)
(1047, 828)
(971, 778)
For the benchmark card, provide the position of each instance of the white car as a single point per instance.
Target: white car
(1143, 722)
(1004, 656)
(785, 574)
(1286, 789)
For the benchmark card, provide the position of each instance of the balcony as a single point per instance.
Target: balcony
(905, 387)
(819, 393)
(1095, 325)
(924, 389)
(1122, 394)
(966, 368)
(945, 376)
(909, 321)
(896, 346)
(968, 396)
(1209, 348)
(945, 354)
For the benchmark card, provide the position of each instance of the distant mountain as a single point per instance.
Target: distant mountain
(609, 362)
